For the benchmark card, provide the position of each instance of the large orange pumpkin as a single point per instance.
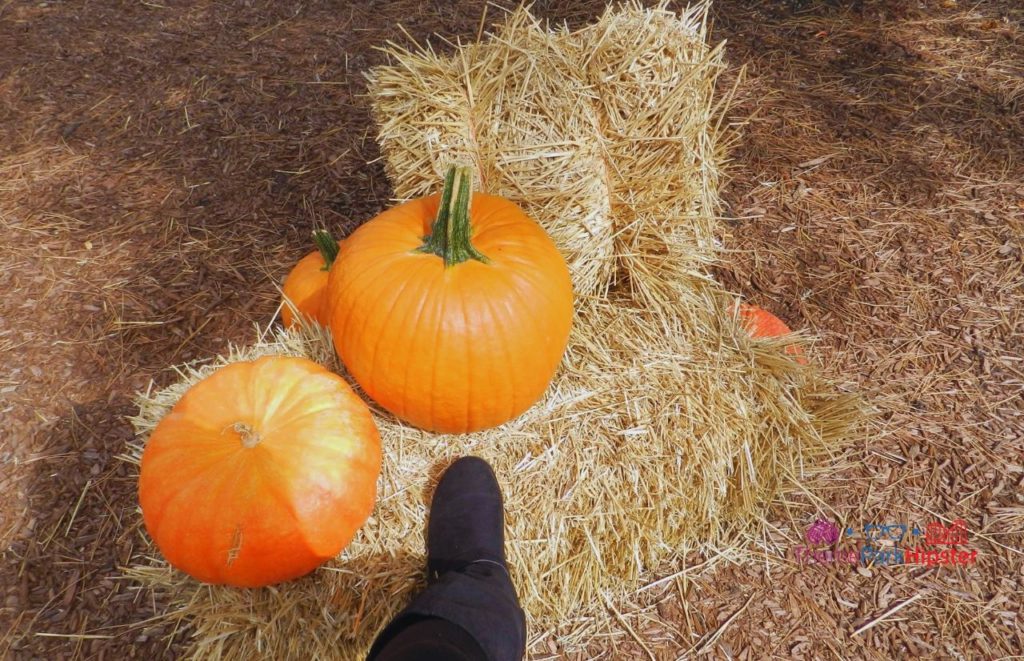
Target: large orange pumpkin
(261, 472)
(306, 284)
(452, 315)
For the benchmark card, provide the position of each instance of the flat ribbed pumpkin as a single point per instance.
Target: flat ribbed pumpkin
(262, 471)
(306, 284)
(451, 311)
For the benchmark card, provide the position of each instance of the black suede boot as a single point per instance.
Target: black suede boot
(468, 581)
(467, 519)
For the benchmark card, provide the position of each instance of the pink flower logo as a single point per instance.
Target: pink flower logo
(822, 532)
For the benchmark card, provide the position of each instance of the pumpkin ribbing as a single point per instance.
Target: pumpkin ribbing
(260, 472)
(451, 311)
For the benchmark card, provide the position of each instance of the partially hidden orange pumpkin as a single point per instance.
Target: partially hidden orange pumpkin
(306, 284)
(759, 323)
(262, 471)
(451, 311)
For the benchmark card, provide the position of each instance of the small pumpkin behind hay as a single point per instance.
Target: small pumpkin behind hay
(305, 287)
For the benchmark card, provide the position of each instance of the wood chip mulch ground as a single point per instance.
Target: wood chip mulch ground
(162, 165)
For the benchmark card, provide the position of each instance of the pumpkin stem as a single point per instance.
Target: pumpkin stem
(250, 438)
(327, 246)
(450, 234)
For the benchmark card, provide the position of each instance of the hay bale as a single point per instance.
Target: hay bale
(515, 108)
(666, 430)
(641, 451)
(588, 131)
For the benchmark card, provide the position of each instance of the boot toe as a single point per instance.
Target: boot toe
(466, 518)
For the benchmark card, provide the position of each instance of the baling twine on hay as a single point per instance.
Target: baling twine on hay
(666, 430)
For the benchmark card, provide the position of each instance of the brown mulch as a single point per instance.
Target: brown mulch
(161, 165)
